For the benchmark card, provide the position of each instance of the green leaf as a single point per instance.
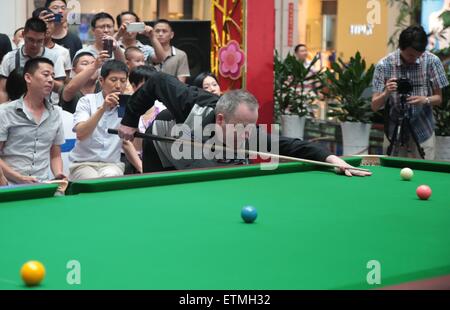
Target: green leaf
(445, 18)
(442, 112)
(296, 86)
(346, 83)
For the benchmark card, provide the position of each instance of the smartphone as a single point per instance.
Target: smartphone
(108, 46)
(135, 27)
(123, 100)
(58, 18)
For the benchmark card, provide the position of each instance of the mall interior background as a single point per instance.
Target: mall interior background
(324, 25)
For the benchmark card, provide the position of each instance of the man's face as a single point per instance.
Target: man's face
(128, 18)
(115, 82)
(59, 7)
(163, 33)
(103, 27)
(18, 37)
(83, 62)
(243, 117)
(41, 81)
(410, 55)
(302, 54)
(34, 41)
(135, 59)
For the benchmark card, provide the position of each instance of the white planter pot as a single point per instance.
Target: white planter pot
(442, 148)
(293, 126)
(355, 138)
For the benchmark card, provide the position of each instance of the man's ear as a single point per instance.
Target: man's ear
(27, 77)
(220, 119)
(101, 81)
(172, 34)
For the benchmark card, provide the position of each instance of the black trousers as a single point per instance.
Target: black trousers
(150, 157)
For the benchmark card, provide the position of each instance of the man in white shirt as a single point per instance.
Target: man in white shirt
(97, 153)
(34, 36)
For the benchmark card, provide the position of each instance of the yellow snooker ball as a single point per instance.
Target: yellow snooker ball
(32, 273)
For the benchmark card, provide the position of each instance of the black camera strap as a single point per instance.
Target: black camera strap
(17, 58)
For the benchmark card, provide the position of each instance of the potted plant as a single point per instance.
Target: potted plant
(349, 87)
(442, 117)
(297, 86)
(442, 112)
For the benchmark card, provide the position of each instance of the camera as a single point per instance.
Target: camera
(404, 86)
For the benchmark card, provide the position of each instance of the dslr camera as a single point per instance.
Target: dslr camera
(404, 86)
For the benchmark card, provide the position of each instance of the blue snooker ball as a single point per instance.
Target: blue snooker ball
(249, 214)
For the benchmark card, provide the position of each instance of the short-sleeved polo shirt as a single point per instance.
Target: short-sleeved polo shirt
(27, 143)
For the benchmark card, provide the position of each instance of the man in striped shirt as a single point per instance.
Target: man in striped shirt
(427, 76)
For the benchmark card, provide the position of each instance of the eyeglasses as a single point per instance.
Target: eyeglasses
(107, 27)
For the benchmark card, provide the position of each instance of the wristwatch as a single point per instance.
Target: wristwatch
(428, 101)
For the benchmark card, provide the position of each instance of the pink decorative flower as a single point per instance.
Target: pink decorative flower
(231, 60)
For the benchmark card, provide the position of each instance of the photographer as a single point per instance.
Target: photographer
(61, 34)
(96, 153)
(408, 83)
(102, 25)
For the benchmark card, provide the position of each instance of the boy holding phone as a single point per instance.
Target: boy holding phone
(96, 153)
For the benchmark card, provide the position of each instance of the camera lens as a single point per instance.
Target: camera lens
(404, 86)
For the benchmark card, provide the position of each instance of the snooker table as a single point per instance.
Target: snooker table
(182, 230)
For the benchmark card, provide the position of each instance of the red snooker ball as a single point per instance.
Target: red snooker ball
(423, 192)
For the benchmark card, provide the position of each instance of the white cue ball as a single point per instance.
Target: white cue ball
(406, 174)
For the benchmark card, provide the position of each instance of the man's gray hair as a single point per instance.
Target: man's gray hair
(229, 102)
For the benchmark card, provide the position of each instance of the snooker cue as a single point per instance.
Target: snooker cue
(224, 148)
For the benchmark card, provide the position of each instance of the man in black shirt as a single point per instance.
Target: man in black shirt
(61, 34)
(196, 109)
